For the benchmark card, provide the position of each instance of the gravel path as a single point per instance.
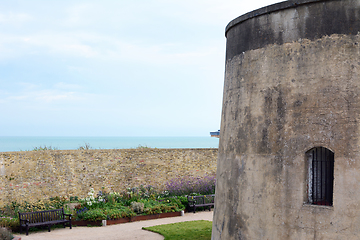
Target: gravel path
(125, 231)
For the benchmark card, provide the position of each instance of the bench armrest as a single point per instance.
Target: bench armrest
(23, 220)
(191, 200)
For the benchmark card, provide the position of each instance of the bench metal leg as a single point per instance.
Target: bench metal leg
(49, 227)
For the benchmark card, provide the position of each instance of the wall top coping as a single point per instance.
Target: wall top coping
(112, 150)
(270, 9)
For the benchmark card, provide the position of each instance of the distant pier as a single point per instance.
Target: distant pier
(215, 134)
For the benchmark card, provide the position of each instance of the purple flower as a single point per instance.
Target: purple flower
(187, 185)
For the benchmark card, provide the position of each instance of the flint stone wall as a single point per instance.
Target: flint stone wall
(292, 83)
(35, 175)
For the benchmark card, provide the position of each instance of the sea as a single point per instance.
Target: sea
(9, 144)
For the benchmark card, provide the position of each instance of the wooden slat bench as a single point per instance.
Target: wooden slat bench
(43, 218)
(201, 201)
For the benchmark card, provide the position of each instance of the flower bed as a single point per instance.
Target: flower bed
(118, 221)
(84, 223)
(154, 216)
(136, 204)
(127, 219)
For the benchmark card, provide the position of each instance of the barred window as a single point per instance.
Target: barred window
(320, 176)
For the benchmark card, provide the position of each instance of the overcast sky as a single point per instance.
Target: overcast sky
(114, 68)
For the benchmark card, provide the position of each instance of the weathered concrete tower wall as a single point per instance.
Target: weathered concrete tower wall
(292, 84)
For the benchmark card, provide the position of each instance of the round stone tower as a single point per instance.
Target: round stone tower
(289, 151)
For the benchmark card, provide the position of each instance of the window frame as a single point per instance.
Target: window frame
(320, 179)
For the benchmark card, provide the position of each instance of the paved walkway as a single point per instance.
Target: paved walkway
(124, 231)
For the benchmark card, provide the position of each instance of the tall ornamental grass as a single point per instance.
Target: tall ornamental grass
(191, 185)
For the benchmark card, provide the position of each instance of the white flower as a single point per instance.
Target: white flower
(89, 203)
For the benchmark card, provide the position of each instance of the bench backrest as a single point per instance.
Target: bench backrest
(201, 199)
(43, 216)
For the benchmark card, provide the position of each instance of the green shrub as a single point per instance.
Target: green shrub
(113, 198)
(11, 223)
(45, 148)
(12, 209)
(5, 234)
(85, 147)
(116, 213)
(152, 210)
(178, 202)
(74, 199)
(93, 201)
(137, 207)
(161, 208)
(137, 194)
(184, 201)
(9, 211)
(149, 203)
(96, 214)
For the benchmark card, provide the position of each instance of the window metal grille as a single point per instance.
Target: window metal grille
(321, 176)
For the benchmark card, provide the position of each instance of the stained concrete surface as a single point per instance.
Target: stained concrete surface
(292, 84)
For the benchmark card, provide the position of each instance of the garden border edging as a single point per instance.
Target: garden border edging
(125, 220)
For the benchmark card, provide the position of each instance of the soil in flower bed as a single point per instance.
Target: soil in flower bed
(86, 223)
(155, 216)
(118, 221)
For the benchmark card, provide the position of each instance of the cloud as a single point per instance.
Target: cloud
(65, 43)
(14, 18)
(77, 29)
(63, 85)
(77, 34)
(209, 12)
(51, 96)
(105, 48)
(77, 49)
(35, 94)
(154, 62)
(78, 14)
(44, 96)
(56, 44)
(17, 98)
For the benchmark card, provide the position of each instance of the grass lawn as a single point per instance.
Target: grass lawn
(200, 230)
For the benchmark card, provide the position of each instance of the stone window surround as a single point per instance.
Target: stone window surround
(328, 179)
